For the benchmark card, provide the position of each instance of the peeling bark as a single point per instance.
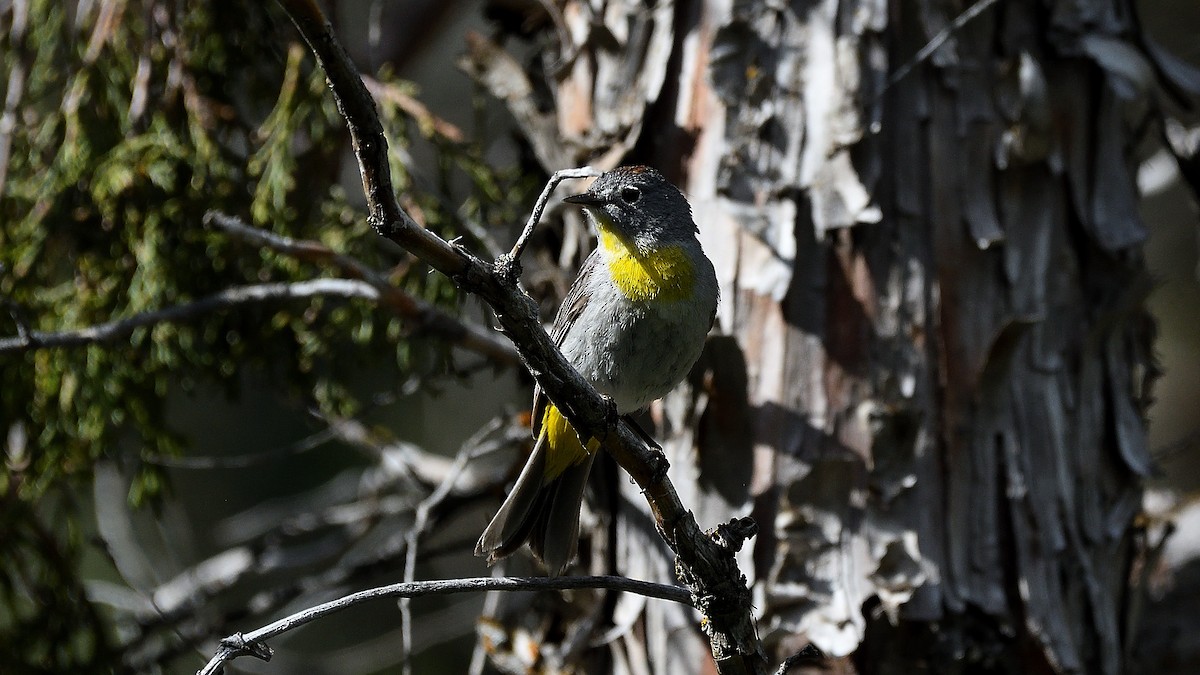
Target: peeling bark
(927, 381)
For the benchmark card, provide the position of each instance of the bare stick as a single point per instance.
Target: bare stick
(536, 216)
(472, 448)
(508, 266)
(230, 298)
(310, 442)
(938, 40)
(252, 644)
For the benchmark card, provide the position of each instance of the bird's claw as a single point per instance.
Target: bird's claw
(611, 416)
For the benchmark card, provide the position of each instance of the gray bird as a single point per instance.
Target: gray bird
(633, 324)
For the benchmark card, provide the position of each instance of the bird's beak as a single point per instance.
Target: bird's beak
(585, 199)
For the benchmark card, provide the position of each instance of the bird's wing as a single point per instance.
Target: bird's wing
(568, 313)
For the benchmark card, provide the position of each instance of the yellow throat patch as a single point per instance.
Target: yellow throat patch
(665, 274)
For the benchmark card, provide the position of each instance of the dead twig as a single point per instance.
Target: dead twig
(937, 41)
(228, 299)
(253, 643)
(472, 448)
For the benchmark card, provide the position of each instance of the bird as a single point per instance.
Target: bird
(633, 323)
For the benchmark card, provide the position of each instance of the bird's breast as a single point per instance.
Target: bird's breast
(636, 351)
(665, 275)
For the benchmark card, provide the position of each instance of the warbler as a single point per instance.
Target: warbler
(633, 323)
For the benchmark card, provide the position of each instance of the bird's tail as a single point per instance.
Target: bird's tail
(543, 507)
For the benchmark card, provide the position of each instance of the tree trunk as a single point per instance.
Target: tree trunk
(931, 364)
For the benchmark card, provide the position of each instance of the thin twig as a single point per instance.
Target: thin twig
(310, 442)
(252, 643)
(536, 215)
(459, 208)
(508, 266)
(932, 46)
(230, 298)
(348, 430)
(174, 603)
(471, 449)
(24, 332)
(417, 111)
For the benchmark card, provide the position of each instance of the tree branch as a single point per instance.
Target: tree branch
(937, 41)
(310, 442)
(252, 643)
(366, 283)
(227, 299)
(423, 314)
(704, 562)
(425, 119)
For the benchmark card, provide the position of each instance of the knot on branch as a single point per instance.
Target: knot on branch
(733, 534)
(237, 645)
(611, 417)
(506, 270)
(706, 565)
(809, 657)
(379, 223)
(476, 276)
(659, 465)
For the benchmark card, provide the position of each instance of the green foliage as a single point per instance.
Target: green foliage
(128, 131)
(47, 624)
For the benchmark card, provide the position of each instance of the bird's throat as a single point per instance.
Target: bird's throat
(664, 274)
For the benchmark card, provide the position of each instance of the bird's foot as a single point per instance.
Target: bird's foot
(611, 416)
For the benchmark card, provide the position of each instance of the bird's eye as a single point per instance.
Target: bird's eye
(630, 195)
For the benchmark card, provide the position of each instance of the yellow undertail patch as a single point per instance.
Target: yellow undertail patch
(563, 447)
